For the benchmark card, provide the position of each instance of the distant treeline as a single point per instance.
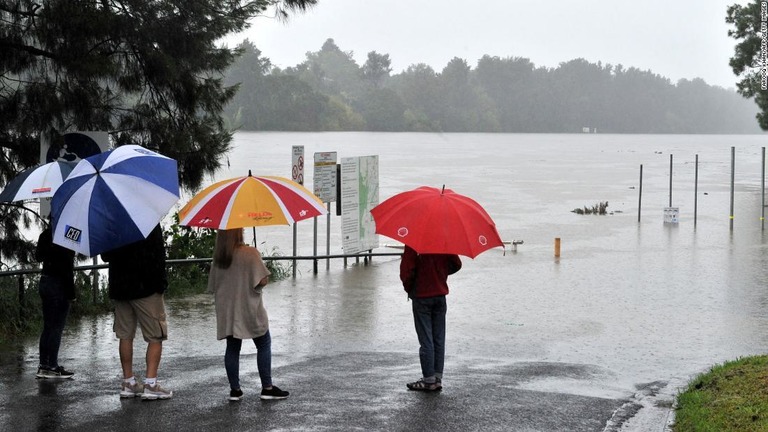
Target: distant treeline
(329, 91)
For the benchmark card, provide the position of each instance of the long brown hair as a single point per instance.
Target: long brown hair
(226, 242)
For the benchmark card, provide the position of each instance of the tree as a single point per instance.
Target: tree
(248, 73)
(749, 61)
(333, 71)
(377, 68)
(418, 88)
(149, 72)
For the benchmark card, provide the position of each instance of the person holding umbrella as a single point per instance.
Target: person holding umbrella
(57, 290)
(425, 279)
(435, 227)
(237, 277)
(137, 282)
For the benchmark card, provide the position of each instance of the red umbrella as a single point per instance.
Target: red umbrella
(432, 220)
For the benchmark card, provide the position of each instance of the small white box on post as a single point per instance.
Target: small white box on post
(671, 215)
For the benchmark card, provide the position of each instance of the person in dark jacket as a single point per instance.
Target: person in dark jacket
(137, 282)
(57, 290)
(425, 279)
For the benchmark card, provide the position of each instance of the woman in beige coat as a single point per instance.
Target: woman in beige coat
(237, 277)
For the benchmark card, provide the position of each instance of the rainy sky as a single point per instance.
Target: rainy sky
(676, 39)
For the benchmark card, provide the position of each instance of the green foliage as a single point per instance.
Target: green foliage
(747, 61)
(18, 318)
(597, 209)
(279, 269)
(329, 91)
(191, 243)
(730, 397)
(25, 318)
(185, 243)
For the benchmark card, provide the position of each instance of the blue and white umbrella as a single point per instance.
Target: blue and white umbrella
(37, 182)
(113, 199)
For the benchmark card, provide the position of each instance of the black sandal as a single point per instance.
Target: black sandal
(420, 385)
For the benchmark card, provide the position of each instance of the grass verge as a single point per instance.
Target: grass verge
(730, 397)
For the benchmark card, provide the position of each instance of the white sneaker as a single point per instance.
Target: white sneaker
(131, 390)
(155, 392)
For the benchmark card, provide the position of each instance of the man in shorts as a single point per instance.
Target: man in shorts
(137, 281)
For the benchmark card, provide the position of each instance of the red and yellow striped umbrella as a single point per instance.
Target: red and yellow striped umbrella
(251, 201)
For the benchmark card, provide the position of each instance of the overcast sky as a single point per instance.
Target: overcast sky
(673, 38)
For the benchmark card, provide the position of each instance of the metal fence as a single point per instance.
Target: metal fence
(365, 256)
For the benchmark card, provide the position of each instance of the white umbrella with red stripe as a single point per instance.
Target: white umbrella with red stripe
(37, 182)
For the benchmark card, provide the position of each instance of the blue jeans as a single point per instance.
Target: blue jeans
(263, 360)
(429, 318)
(55, 311)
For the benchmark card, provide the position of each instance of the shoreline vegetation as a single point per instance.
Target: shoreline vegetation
(730, 397)
(331, 91)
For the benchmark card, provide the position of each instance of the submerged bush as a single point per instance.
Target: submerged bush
(599, 209)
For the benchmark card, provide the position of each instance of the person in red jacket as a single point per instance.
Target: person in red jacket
(425, 279)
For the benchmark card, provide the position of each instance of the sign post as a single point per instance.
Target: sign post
(324, 185)
(297, 175)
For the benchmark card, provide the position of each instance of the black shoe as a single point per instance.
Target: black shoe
(421, 385)
(235, 395)
(274, 393)
(58, 373)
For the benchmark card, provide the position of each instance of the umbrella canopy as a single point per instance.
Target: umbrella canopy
(432, 220)
(37, 182)
(251, 201)
(113, 199)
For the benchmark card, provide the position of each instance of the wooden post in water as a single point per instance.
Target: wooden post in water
(733, 176)
(557, 247)
(696, 191)
(640, 194)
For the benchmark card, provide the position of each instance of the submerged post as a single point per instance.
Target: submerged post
(640, 194)
(314, 246)
(294, 249)
(328, 238)
(670, 180)
(557, 247)
(762, 191)
(695, 191)
(733, 176)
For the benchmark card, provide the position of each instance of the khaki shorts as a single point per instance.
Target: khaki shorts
(148, 312)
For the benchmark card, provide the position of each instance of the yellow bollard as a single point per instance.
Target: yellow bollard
(557, 247)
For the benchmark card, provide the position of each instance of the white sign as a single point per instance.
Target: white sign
(359, 194)
(324, 180)
(297, 167)
(71, 147)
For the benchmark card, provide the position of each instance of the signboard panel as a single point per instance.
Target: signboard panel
(72, 147)
(297, 165)
(359, 194)
(324, 180)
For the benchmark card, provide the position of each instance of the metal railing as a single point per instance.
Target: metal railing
(20, 273)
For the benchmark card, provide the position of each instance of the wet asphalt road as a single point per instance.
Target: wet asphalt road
(344, 372)
(354, 391)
